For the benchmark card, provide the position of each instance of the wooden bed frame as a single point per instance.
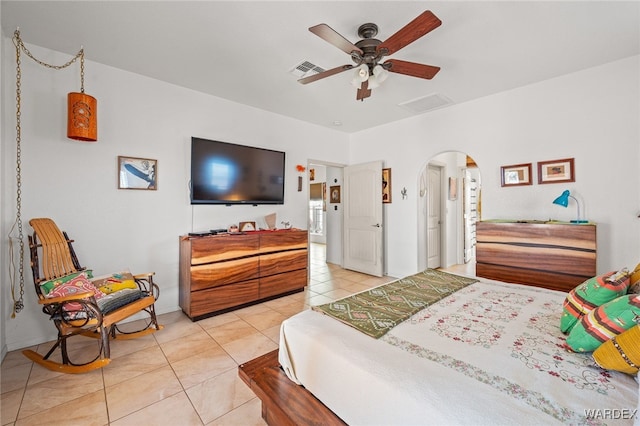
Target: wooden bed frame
(283, 402)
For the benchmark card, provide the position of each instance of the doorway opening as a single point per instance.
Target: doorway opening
(449, 207)
(324, 222)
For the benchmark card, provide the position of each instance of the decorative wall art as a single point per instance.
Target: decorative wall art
(137, 173)
(334, 194)
(300, 168)
(516, 175)
(386, 185)
(312, 174)
(556, 171)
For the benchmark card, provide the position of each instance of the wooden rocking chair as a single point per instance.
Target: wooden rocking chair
(81, 314)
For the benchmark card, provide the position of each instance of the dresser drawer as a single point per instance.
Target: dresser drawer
(215, 299)
(283, 240)
(222, 247)
(221, 273)
(276, 263)
(283, 283)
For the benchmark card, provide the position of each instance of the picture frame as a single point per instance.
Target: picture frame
(386, 185)
(312, 174)
(334, 194)
(137, 173)
(453, 188)
(247, 226)
(556, 171)
(516, 175)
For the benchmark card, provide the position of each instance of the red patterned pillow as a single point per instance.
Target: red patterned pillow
(78, 285)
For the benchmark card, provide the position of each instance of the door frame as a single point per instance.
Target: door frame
(330, 243)
(459, 224)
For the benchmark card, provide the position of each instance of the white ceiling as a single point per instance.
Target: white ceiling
(244, 51)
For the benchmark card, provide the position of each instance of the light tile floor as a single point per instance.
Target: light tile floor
(185, 374)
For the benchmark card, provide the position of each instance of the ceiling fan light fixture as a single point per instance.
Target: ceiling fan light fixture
(380, 73)
(361, 74)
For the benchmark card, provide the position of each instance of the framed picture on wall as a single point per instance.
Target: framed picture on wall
(386, 185)
(556, 171)
(137, 173)
(334, 194)
(247, 226)
(516, 175)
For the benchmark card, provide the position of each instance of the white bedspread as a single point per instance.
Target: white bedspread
(489, 354)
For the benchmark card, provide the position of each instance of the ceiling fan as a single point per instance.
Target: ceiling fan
(368, 53)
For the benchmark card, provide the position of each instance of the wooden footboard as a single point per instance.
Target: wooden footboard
(283, 402)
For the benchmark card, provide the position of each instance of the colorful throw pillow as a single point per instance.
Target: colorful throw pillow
(77, 285)
(634, 282)
(604, 323)
(590, 294)
(114, 282)
(622, 353)
(47, 286)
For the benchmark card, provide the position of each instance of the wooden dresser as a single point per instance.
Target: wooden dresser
(223, 272)
(555, 255)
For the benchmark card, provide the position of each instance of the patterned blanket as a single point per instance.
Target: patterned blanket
(376, 311)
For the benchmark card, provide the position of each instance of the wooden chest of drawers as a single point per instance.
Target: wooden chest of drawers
(553, 255)
(223, 272)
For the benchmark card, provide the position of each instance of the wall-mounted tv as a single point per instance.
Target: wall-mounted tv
(226, 173)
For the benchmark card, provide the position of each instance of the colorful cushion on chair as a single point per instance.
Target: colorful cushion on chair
(47, 286)
(590, 294)
(604, 323)
(115, 282)
(77, 285)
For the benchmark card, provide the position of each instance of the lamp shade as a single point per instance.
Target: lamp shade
(82, 117)
(563, 199)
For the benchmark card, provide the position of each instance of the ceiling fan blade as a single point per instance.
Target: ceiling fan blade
(324, 74)
(415, 29)
(411, 68)
(330, 35)
(364, 91)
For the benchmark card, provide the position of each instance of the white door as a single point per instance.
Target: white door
(434, 216)
(363, 218)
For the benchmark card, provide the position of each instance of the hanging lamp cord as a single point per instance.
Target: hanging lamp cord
(18, 303)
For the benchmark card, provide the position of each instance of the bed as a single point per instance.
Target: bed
(487, 352)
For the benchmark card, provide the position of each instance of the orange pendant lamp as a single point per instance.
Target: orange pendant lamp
(82, 112)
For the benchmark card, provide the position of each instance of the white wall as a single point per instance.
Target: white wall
(75, 183)
(592, 116)
(334, 218)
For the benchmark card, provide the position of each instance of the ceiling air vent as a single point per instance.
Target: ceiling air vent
(426, 103)
(305, 69)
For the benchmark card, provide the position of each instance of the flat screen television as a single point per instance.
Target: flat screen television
(226, 173)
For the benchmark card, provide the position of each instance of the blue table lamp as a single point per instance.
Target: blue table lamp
(563, 200)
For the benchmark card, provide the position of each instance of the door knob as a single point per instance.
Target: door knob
(377, 225)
